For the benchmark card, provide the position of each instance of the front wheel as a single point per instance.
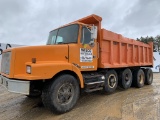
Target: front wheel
(61, 95)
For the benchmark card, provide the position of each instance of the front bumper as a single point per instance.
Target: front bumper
(15, 86)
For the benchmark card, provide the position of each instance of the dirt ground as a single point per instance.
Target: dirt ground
(132, 104)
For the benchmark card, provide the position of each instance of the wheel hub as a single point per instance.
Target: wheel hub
(141, 79)
(65, 93)
(126, 77)
(112, 81)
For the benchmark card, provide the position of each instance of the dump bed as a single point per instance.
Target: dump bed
(117, 51)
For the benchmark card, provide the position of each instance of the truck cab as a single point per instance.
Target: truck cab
(81, 42)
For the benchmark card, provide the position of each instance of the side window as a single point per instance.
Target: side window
(85, 35)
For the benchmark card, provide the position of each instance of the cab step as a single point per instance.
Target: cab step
(92, 90)
(93, 82)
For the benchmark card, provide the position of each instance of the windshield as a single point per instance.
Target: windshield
(68, 34)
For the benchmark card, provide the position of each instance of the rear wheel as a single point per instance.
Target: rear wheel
(125, 78)
(148, 76)
(61, 95)
(139, 78)
(111, 81)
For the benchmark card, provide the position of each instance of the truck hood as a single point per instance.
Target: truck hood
(22, 55)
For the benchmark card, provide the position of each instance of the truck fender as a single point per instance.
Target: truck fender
(78, 72)
(44, 70)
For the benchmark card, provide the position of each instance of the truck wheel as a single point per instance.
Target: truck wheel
(139, 78)
(61, 95)
(125, 79)
(148, 76)
(111, 81)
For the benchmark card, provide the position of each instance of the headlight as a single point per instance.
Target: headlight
(28, 69)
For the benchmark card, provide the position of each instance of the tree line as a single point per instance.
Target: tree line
(155, 40)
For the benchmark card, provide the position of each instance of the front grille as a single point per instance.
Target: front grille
(5, 65)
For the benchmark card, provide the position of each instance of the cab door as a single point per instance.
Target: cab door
(88, 51)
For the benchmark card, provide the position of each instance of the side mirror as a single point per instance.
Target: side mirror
(91, 44)
(94, 32)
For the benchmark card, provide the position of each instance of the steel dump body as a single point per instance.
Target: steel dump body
(117, 51)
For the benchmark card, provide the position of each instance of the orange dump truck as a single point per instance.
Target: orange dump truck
(80, 56)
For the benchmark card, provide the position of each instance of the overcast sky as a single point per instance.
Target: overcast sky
(28, 22)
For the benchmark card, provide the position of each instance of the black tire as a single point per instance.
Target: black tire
(61, 95)
(148, 76)
(125, 79)
(111, 81)
(138, 78)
